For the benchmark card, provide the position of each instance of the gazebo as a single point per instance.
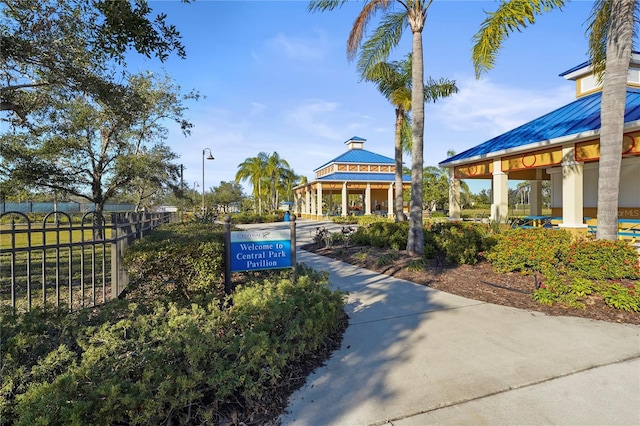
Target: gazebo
(562, 147)
(355, 182)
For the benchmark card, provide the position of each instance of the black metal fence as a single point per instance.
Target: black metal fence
(70, 262)
(67, 207)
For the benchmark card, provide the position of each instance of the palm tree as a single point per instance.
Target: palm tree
(252, 169)
(394, 82)
(275, 167)
(287, 180)
(611, 32)
(265, 172)
(414, 13)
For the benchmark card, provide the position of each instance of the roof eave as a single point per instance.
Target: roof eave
(576, 137)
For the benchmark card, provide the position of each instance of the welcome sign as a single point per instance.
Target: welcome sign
(260, 249)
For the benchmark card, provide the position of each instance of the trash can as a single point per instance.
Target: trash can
(286, 216)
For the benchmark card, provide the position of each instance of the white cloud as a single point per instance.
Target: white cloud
(297, 48)
(256, 108)
(314, 118)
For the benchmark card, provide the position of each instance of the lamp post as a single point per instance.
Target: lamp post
(210, 157)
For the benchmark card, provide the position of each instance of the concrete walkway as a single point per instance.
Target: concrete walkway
(417, 356)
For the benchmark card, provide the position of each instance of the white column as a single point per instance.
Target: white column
(390, 201)
(307, 200)
(535, 195)
(313, 202)
(454, 199)
(319, 199)
(345, 199)
(367, 199)
(572, 190)
(500, 192)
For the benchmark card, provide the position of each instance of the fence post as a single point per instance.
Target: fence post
(120, 241)
(115, 255)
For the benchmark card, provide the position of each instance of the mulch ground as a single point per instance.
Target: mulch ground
(478, 282)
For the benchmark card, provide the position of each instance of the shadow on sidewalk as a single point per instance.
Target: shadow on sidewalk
(386, 316)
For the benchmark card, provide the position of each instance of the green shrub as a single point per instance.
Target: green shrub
(366, 220)
(360, 237)
(529, 250)
(416, 265)
(461, 242)
(175, 364)
(621, 297)
(345, 220)
(361, 255)
(602, 259)
(337, 238)
(430, 245)
(249, 217)
(178, 262)
(582, 287)
(398, 240)
(178, 355)
(383, 234)
(555, 289)
(544, 296)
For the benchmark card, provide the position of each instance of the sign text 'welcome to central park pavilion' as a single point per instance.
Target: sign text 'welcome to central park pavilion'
(260, 249)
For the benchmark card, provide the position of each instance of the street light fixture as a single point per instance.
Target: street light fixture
(210, 157)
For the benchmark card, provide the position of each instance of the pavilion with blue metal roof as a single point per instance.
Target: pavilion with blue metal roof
(355, 182)
(563, 147)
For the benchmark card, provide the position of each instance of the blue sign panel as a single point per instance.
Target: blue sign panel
(260, 249)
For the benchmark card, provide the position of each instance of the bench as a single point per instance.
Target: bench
(540, 222)
(628, 230)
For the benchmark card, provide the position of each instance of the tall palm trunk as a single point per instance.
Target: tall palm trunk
(619, 41)
(415, 242)
(399, 199)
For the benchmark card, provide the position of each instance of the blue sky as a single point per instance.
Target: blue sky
(276, 78)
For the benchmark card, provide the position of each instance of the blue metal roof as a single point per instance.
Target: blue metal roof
(588, 63)
(361, 156)
(581, 115)
(576, 68)
(353, 177)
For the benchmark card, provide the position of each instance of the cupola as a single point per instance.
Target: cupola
(587, 83)
(355, 143)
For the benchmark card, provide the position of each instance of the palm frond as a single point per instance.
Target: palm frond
(389, 77)
(324, 5)
(598, 31)
(599, 23)
(361, 22)
(387, 36)
(406, 135)
(443, 88)
(401, 97)
(511, 15)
